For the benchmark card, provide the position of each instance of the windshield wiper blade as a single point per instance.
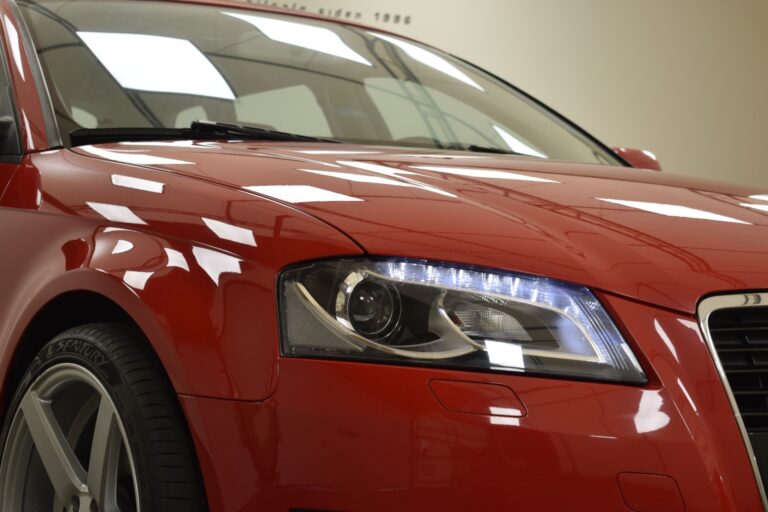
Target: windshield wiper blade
(198, 130)
(487, 149)
(251, 132)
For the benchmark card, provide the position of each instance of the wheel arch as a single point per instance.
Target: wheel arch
(70, 309)
(76, 298)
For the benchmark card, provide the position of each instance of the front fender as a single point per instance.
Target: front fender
(208, 314)
(208, 311)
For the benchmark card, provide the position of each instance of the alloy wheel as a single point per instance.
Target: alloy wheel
(66, 450)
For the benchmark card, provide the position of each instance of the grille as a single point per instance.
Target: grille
(740, 336)
(736, 329)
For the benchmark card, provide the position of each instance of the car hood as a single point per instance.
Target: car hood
(658, 238)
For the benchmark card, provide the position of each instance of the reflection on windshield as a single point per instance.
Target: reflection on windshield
(516, 145)
(13, 38)
(429, 58)
(147, 64)
(302, 35)
(158, 64)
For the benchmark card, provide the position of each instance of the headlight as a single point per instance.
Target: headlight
(419, 313)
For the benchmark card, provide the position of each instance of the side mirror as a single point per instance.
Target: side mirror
(639, 158)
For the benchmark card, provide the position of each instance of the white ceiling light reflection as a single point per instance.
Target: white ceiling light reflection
(673, 210)
(303, 35)
(760, 197)
(336, 153)
(483, 173)
(442, 157)
(116, 213)
(13, 38)
(505, 411)
(665, 338)
(136, 279)
(761, 207)
(122, 246)
(360, 178)
(650, 154)
(694, 327)
(231, 232)
(649, 417)
(504, 354)
(186, 144)
(395, 173)
(516, 144)
(138, 184)
(216, 264)
(301, 194)
(307, 160)
(176, 259)
(505, 420)
(430, 59)
(158, 64)
(687, 395)
(133, 158)
(28, 129)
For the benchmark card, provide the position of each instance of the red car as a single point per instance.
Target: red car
(259, 260)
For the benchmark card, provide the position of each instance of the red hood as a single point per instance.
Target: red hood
(658, 238)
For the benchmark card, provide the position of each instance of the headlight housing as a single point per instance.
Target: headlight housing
(422, 313)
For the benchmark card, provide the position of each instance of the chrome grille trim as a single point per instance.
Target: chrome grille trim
(705, 310)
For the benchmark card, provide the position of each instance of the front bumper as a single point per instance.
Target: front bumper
(348, 436)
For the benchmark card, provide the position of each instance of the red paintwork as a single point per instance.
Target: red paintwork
(336, 434)
(274, 434)
(650, 493)
(558, 228)
(639, 158)
(477, 398)
(203, 325)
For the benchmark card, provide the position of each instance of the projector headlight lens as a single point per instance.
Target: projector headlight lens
(420, 313)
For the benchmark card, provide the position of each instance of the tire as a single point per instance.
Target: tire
(95, 426)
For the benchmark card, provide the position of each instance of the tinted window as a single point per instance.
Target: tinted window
(9, 136)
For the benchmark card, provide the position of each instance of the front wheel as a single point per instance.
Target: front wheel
(95, 427)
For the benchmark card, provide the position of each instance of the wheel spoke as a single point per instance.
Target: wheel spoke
(64, 470)
(105, 453)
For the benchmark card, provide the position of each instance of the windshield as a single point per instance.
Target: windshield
(129, 64)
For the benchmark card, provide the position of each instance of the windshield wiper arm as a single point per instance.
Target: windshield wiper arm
(250, 132)
(198, 130)
(487, 149)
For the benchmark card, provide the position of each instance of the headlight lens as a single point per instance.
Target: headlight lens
(414, 312)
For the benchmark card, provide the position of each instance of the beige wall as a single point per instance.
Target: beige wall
(687, 79)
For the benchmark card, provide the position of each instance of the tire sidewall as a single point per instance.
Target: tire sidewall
(79, 350)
